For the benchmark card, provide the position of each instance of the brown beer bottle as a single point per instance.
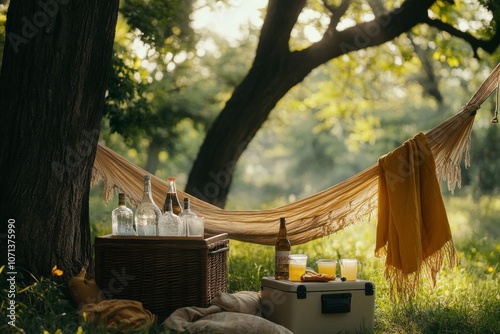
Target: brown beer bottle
(282, 253)
(172, 194)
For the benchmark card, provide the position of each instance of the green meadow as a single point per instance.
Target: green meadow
(466, 299)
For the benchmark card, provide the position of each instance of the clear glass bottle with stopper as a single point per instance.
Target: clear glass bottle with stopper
(147, 213)
(172, 194)
(170, 224)
(122, 218)
(194, 223)
(282, 253)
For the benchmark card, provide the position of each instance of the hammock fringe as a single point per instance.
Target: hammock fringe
(319, 215)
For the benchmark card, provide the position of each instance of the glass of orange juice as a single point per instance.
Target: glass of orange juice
(297, 266)
(327, 266)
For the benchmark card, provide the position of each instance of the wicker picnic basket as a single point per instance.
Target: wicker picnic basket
(164, 273)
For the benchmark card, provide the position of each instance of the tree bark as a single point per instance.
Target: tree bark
(52, 86)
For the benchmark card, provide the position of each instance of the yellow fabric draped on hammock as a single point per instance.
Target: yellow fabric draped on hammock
(412, 229)
(319, 215)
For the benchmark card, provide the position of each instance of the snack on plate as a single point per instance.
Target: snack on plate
(312, 276)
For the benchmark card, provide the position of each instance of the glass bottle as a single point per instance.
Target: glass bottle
(172, 194)
(147, 213)
(282, 253)
(170, 224)
(122, 218)
(194, 225)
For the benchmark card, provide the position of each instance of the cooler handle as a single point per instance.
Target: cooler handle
(336, 303)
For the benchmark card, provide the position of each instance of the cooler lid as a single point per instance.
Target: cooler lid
(337, 285)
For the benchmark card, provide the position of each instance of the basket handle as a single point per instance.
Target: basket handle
(220, 250)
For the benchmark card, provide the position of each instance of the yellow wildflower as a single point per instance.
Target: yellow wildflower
(56, 272)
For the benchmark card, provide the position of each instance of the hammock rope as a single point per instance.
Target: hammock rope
(313, 217)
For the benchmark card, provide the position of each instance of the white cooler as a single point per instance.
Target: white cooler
(319, 307)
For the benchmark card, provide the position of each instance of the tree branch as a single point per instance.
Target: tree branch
(377, 7)
(337, 13)
(280, 19)
(382, 29)
(427, 79)
(474, 42)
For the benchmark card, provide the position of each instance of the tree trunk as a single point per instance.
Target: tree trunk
(274, 72)
(156, 145)
(52, 86)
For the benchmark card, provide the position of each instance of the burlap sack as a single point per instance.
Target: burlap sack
(117, 314)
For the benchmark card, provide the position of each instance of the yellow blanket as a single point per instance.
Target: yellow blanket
(412, 231)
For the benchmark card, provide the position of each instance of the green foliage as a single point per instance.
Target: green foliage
(100, 215)
(150, 35)
(126, 104)
(41, 307)
(162, 24)
(172, 112)
(494, 7)
(486, 178)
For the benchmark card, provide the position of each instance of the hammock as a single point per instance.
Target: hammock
(319, 215)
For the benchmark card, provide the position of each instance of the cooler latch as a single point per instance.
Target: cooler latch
(369, 289)
(336, 303)
(301, 292)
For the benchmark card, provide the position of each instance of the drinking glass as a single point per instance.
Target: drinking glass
(327, 266)
(350, 269)
(297, 266)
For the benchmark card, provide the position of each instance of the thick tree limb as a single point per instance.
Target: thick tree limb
(278, 24)
(382, 29)
(276, 70)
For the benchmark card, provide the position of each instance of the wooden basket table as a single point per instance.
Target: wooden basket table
(164, 273)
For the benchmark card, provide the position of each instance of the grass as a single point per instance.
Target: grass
(466, 299)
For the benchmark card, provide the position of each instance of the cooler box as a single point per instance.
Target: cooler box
(319, 307)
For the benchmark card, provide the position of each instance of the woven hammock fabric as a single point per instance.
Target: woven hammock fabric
(319, 215)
